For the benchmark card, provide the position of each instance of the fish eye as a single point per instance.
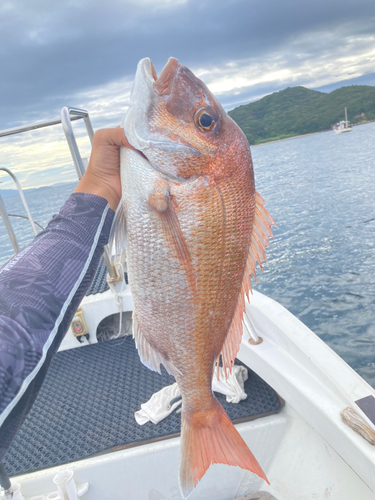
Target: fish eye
(205, 119)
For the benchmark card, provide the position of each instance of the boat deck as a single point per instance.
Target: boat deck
(87, 402)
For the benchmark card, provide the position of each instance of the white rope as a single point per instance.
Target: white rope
(118, 297)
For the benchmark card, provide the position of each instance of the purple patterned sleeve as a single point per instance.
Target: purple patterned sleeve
(40, 290)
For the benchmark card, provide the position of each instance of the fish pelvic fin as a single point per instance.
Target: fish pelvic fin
(215, 441)
(259, 241)
(117, 236)
(149, 356)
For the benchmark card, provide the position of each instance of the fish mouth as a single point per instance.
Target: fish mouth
(148, 87)
(147, 83)
(167, 74)
(160, 83)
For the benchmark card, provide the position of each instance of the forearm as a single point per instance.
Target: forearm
(40, 290)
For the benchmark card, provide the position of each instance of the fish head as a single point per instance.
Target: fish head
(179, 125)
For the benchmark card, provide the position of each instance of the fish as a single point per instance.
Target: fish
(194, 228)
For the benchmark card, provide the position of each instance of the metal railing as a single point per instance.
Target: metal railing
(34, 126)
(66, 117)
(8, 226)
(5, 216)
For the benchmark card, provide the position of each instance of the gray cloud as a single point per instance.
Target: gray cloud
(361, 80)
(49, 52)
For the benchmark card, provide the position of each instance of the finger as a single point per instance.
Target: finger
(112, 136)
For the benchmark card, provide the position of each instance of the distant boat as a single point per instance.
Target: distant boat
(343, 126)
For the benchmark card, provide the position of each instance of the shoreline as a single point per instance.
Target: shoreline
(305, 135)
(289, 138)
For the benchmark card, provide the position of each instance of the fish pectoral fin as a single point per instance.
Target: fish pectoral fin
(173, 236)
(178, 243)
(117, 236)
(149, 356)
(259, 241)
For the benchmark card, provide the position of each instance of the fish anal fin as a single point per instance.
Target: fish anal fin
(149, 356)
(259, 241)
(233, 339)
(211, 442)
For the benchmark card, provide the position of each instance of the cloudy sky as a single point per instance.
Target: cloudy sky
(83, 53)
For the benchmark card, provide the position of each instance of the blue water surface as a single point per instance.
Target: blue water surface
(42, 203)
(320, 189)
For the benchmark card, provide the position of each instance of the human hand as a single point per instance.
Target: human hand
(102, 176)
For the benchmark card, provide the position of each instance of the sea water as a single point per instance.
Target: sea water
(42, 203)
(320, 190)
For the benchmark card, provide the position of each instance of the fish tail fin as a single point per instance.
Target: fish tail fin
(215, 441)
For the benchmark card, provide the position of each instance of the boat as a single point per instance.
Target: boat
(308, 418)
(343, 126)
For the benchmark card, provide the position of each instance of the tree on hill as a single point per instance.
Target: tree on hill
(298, 110)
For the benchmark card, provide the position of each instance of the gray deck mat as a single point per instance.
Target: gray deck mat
(87, 403)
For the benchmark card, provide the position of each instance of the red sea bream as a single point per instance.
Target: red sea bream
(194, 228)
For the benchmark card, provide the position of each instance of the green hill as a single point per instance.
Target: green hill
(298, 110)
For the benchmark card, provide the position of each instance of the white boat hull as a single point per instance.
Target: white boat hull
(306, 450)
(342, 131)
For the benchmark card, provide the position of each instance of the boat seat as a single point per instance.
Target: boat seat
(87, 402)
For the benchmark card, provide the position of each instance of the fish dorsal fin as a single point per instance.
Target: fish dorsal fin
(259, 241)
(259, 236)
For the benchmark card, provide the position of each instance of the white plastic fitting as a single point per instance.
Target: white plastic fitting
(254, 339)
(14, 492)
(66, 486)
